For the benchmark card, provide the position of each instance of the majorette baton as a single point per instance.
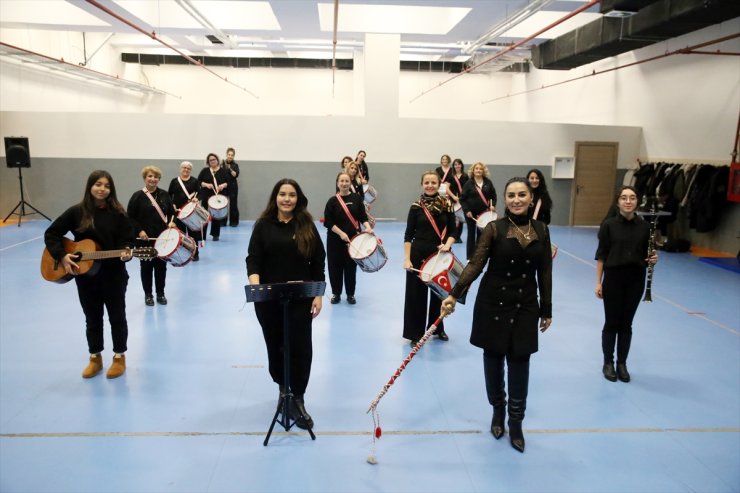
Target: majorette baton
(377, 432)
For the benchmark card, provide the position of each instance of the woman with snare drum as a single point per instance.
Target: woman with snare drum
(285, 246)
(343, 215)
(478, 196)
(430, 228)
(213, 180)
(459, 178)
(362, 167)
(355, 183)
(445, 171)
(507, 312)
(151, 212)
(184, 190)
(99, 217)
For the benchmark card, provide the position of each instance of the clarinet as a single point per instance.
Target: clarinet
(651, 250)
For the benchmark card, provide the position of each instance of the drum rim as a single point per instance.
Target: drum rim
(179, 238)
(377, 243)
(421, 270)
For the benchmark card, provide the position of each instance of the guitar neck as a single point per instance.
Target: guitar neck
(101, 254)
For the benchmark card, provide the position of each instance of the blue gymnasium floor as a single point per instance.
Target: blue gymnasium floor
(192, 410)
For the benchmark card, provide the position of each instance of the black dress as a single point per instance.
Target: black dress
(507, 312)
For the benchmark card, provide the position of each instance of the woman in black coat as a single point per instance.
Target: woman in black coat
(507, 312)
(184, 189)
(478, 196)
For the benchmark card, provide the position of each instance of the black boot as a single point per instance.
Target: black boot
(493, 370)
(608, 371)
(302, 418)
(518, 390)
(622, 373)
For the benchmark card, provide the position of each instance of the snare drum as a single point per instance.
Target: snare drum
(485, 218)
(174, 247)
(218, 206)
(369, 193)
(440, 272)
(194, 216)
(367, 251)
(458, 210)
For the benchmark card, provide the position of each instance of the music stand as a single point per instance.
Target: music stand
(284, 293)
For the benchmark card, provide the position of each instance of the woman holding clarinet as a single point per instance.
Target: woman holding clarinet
(621, 260)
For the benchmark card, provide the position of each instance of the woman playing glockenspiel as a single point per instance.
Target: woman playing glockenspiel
(343, 215)
(430, 228)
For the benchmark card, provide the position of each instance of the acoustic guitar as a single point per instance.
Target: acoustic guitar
(86, 253)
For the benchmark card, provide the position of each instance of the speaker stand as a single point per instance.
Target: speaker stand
(23, 204)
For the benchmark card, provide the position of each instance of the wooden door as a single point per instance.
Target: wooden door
(593, 183)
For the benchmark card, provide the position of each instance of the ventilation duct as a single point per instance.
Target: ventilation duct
(610, 36)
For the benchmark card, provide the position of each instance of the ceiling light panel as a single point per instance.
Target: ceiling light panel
(162, 14)
(401, 19)
(239, 16)
(543, 19)
(51, 12)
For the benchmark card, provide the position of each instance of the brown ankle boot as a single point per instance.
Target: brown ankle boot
(118, 367)
(94, 366)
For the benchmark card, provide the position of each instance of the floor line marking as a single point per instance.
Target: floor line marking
(544, 431)
(682, 308)
(19, 244)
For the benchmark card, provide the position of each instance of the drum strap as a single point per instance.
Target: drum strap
(155, 204)
(215, 183)
(459, 186)
(349, 214)
(182, 185)
(444, 177)
(434, 224)
(482, 196)
(537, 209)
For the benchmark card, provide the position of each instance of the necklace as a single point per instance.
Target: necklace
(529, 229)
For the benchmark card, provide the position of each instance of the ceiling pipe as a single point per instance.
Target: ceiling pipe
(680, 51)
(203, 21)
(79, 71)
(512, 47)
(153, 35)
(503, 26)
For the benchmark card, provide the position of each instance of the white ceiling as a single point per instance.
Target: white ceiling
(430, 30)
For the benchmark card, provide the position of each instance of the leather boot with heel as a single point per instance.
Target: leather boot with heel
(493, 369)
(303, 420)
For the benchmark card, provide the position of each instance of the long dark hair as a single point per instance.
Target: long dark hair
(88, 201)
(541, 191)
(462, 166)
(304, 231)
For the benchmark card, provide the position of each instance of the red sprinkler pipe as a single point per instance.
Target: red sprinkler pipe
(153, 35)
(512, 47)
(680, 51)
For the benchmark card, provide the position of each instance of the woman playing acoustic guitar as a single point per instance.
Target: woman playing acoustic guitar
(101, 218)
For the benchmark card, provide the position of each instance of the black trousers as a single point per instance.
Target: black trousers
(342, 269)
(622, 289)
(233, 207)
(473, 237)
(156, 269)
(420, 309)
(105, 290)
(270, 316)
